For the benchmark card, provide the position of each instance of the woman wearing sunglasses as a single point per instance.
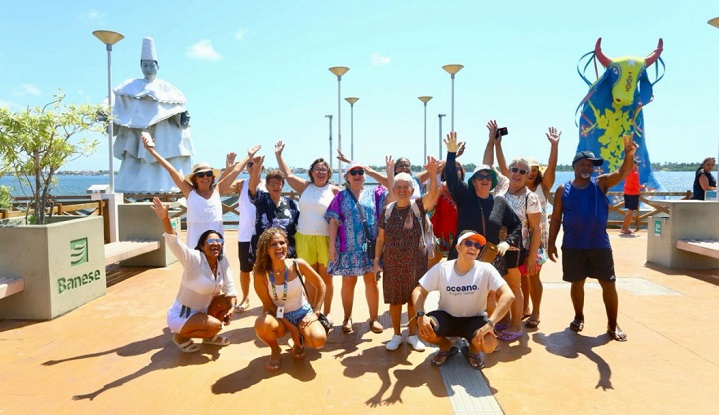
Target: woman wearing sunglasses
(207, 296)
(352, 218)
(526, 206)
(312, 237)
(204, 207)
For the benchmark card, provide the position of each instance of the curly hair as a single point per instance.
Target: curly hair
(263, 263)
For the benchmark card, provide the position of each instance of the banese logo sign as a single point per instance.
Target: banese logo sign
(79, 255)
(78, 252)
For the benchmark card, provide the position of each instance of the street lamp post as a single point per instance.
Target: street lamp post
(329, 160)
(440, 134)
(109, 38)
(452, 70)
(339, 71)
(425, 99)
(715, 22)
(352, 101)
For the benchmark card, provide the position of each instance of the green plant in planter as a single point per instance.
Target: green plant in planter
(35, 143)
(5, 198)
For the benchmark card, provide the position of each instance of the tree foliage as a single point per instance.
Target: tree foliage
(35, 143)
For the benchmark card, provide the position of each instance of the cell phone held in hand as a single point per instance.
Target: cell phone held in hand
(501, 132)
(148, 138)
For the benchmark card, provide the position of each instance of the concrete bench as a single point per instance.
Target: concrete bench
(122, 250)
(11, 285)
(706, 247)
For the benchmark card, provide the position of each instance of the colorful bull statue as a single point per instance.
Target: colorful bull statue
(613, 107)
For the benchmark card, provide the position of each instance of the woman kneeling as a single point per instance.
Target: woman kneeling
(278, 283)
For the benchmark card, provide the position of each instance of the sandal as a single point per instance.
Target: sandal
(474, 360)
(347, 326)
(243, 306)
(531, 323)
(216, 340)
(273, 365)
(510, 336)
(446, 354)
(617, 334)
(375, 326)
(501, 326)
(298, 350)
(188, 347)
(576, 325)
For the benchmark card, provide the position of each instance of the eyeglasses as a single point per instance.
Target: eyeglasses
(470, 244)
(516, 169)
(483, 176)
(320, 169)
(215, 241)
(356, 172)
(275, 183)
(202, 174)
(250, 164)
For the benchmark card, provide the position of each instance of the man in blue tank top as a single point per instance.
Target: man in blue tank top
(581, 206)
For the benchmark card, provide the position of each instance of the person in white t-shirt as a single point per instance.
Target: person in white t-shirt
(463, 286)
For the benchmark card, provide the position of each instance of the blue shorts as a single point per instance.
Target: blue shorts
(296, 316)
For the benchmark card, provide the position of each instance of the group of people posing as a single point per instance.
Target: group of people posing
(491, 224)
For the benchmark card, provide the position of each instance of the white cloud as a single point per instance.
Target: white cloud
(94, 15)
(203, 50)
(27, 89)
(12, 106)
(240, 35)
(379, 60)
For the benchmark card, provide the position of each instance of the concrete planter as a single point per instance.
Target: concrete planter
(63, 265)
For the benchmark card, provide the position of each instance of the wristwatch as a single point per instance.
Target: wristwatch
(420, 314)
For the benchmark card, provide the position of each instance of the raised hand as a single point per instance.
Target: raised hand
(492, 128)
(341, 157)
(162, 211)
(432, 166)
(279, 146)
(253, 150)
(461, 148)
(553, 135)
(630, 147)
(230, 162)
(451, 142)
(389, 165)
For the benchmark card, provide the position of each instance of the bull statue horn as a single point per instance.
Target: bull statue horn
(652, 57)
(603, 59)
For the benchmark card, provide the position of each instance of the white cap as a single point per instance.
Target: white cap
(148, 50)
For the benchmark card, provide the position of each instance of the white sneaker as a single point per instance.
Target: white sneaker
(394, 342)
(416, 343)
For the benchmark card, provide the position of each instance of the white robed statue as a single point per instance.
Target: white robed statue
(152, 105)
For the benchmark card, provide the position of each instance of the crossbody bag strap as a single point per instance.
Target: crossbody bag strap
(367, 233)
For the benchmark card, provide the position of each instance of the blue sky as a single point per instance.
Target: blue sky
(255, 72)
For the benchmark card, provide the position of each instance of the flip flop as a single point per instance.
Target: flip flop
(510, 336)
(273, 365)
(216, 340)
(501, 326)
(531, 323)
(375, 326)
(188, 347)
(474, 360)
(298, 350)
(617, 334)
(443, 353)
(347, 326)
(576, 325)
(242, 307)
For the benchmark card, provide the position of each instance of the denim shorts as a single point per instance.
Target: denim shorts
(296, 316)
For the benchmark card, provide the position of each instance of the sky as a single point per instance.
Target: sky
(257, 72)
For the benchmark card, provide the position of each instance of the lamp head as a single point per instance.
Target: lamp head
(352, 100)
(424, 99)
(108, 37)
(453, 69)
(339, 70)
(714, 22)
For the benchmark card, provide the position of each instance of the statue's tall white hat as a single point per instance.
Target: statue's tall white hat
(148, 49)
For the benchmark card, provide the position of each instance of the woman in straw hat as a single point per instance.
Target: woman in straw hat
(204, 207)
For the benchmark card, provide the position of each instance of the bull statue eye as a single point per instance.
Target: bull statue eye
(615, 70)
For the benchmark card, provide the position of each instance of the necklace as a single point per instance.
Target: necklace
(515, 192)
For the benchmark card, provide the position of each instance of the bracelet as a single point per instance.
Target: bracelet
(490, 323)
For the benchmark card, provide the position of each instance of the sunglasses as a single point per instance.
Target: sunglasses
(516, 169)
(483, 176)
(202, 174)
(470, 244)
(215, 241)
(356, 172)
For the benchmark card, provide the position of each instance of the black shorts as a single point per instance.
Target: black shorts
(451, 326)
(578, 264)
(631, 202)
(514, 259)
(246, 260)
